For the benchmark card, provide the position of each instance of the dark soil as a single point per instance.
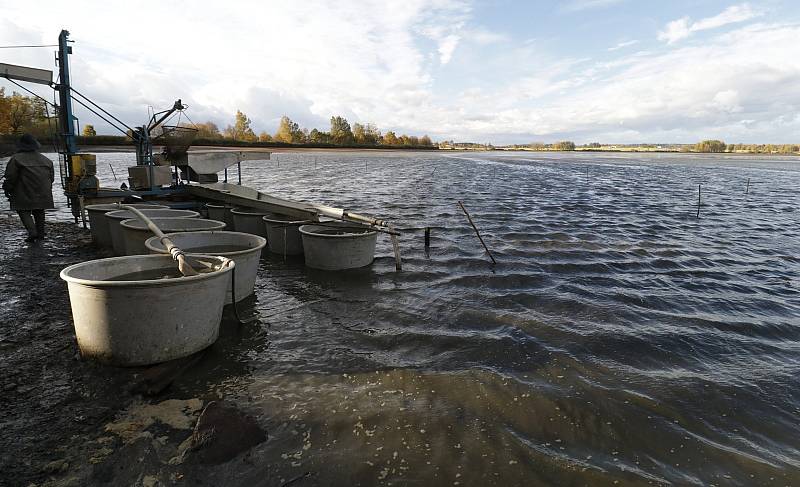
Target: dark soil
(56, 408)
(49, 395)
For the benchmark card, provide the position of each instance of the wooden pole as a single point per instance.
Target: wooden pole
(747, 190)
(398, 263)
(427, 237)
(477, 232)
(698, 200)
(115, 174)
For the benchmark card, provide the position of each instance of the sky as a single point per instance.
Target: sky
(503, 72)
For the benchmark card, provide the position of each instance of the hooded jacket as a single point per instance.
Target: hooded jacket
(29, 181)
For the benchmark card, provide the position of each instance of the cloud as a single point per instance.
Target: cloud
(581, 5)
(683, 27)
(623, 45)
(408, 68)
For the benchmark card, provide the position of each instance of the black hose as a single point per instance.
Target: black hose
(233, 298)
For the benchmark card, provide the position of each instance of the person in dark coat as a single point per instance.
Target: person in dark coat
(29, 185)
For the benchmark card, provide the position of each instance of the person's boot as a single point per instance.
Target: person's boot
(30, 226)
(38, 215)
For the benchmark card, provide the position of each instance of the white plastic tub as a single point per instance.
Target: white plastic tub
(338, 245)
(98, 223)
(145, 321)
(242, 248)
(116, 217)
(283, 234)
(136, 232)
(220, 213)
(248, 220)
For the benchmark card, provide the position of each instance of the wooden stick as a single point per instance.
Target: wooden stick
(177, 254)
(398, 263)
(747, 190)
(477, 232)
(698, 201)
(427, 237)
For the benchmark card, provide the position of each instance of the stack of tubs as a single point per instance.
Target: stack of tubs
(101, 233)
(115, 218)
(136, 232)
(242, 248)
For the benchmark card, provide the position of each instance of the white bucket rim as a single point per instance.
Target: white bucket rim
(251, 212)
(134, 223)
(262, 243)
(306, 230)
(288, 222)
(119, 216)
(109, 207)
(225, 263)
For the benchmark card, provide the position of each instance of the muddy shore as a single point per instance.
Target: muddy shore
(68, 421)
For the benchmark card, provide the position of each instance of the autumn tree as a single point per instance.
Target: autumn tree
(425, 140)
(241, 129)
(711, 146)
(318, 137)
(88, 130)
(288, 131)
(208, 130)
(264, 136)
(390, 139)
(359, 133)
(564, 145)
(340, 131)
(20, 113)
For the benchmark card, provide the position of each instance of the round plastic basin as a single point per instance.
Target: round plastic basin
(98, 223)
(242, 248)
(338, 245)
(283, 234)
(125, 312)
(248, 220)
(136, 232)
(115, 218)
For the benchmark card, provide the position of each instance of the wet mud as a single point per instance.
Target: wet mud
(67, 421)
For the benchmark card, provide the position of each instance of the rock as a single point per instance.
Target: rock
(56, 466)
(158, 377)
(222, 432)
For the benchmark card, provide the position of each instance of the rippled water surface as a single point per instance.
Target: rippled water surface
(618, 338)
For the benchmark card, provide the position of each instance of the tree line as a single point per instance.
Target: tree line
(26, 114)
(340, 132)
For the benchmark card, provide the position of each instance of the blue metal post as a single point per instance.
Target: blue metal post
(65, 99)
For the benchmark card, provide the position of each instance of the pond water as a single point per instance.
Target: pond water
(619, 337)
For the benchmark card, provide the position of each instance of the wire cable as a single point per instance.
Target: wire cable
(28, 46)
(29, 91)
(100, 108)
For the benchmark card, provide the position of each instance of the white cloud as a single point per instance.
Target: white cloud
(622, 45)
(387, 63)
(580, 5)
(683, 27)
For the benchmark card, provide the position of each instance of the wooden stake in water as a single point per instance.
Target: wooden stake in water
(115, 174)
(477, 232)
(698, 200)
(747, 190)
(427, 237)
